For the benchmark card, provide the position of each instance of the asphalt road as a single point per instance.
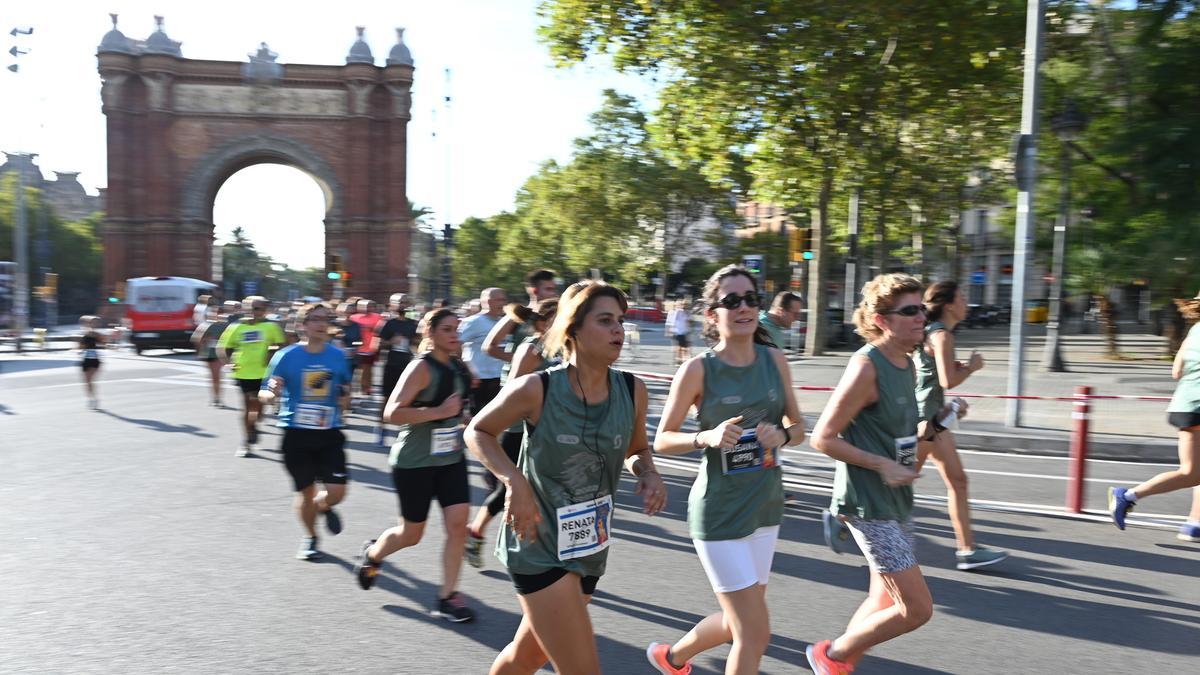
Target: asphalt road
(136, 542)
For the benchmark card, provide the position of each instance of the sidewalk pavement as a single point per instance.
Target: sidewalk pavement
(1120, 429)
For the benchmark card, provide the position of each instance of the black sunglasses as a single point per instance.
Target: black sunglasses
(733, 300)
(908, 310)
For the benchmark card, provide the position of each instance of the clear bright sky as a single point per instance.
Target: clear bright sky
(510, 108)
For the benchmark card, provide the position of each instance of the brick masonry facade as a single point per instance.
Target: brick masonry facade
(178, 128)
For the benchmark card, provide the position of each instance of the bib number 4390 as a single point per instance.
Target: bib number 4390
(584, 528)
(906, 450)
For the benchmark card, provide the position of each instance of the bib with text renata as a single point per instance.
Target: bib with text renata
(583, 528)
(747, 455)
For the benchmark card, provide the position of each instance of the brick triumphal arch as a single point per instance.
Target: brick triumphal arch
(178, 128)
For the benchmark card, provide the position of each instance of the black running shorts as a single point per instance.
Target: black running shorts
(91, 364)
(1184, 420)
(312, 455)
(681, 340)
(249, 387)
(416, 488)
(527, 584)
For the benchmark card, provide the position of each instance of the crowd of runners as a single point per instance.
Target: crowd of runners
(531, 392)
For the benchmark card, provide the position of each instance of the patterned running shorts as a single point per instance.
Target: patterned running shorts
(887, 544)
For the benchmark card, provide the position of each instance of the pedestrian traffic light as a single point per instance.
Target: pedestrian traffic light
(118, 292)
(334, 276)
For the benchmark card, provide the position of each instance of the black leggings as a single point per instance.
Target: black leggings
(511, 442)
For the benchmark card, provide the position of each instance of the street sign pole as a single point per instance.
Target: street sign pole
(1026, 163)
(21, 257)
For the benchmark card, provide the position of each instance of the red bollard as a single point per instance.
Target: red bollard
(1079, 449)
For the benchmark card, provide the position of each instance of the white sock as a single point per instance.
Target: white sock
(1131, 496)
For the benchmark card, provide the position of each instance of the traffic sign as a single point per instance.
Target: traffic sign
(249, 287)
(979, 278)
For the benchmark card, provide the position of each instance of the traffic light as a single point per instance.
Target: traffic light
(753, 264)
(800, 243)
(118, 293)
(336, 270)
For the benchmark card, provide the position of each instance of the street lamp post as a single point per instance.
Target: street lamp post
(1067, 126)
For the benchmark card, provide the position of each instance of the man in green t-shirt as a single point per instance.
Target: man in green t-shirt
(249, 345)
(785, 310)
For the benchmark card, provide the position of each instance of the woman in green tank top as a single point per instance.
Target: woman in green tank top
(937, 371)
(870, 427)
(528, 357)
(742, 389)
(584, 420)
(427, 459)
(1183, 413)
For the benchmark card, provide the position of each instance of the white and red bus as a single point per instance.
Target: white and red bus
(158, 311)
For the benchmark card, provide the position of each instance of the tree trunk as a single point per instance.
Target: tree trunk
(815, 337)
(1108, 324)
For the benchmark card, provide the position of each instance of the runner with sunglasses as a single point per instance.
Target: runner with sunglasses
(742, 389)
(870, 427)
(584, 421)
(937, 371)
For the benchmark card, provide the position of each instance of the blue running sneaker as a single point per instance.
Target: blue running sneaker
(1118, 506)
(1189, 532)
(381, 435)
(837, 535)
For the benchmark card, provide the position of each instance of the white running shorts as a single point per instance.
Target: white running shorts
(734, 564)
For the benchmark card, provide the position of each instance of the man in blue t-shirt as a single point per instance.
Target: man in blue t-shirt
(313, 380)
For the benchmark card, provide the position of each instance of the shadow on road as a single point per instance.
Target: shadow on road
(30, 365)
(157, 425)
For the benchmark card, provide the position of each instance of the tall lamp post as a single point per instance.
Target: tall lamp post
(1067, 125)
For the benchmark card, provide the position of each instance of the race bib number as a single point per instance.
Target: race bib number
(747, 455)
(251, 336)
(91, 354)
(401, 346)
(583, 528)
(906, 450)
(446, 441)
(309, 416)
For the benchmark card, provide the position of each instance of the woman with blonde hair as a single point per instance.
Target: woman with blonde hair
(1183, 413)
(742, 389)
(583, 421)
(870, 427)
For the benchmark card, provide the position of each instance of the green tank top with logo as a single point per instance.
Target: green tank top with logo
(437, 442)
(573, 460)
(738, 490)
(1187, 392)
(930, 395)
(887, 428)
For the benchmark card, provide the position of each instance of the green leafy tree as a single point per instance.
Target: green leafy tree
(807, 95)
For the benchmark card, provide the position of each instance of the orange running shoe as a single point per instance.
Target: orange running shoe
(821, 664)
(656, 654)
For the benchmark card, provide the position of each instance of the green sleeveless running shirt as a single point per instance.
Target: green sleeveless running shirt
(573, 460)
(886, 428)
(930, 395)
(437, 442)
(740, 490)
(1187, 392)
